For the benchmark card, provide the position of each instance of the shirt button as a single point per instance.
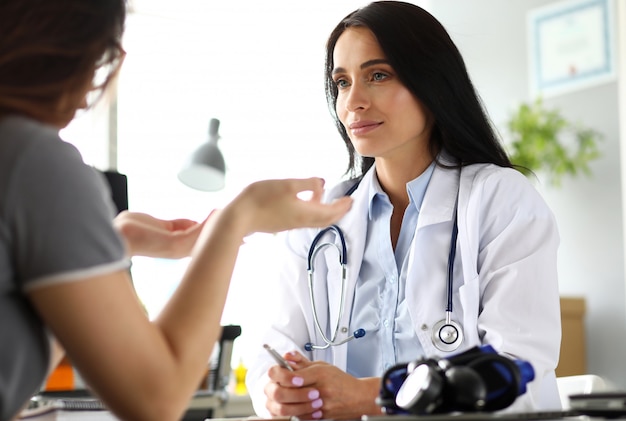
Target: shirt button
(386, 323)
(424, 327)
(392, 279)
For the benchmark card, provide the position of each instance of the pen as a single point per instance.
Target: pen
(279, 359)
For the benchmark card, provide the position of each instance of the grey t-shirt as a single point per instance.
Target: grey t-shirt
(55, 226)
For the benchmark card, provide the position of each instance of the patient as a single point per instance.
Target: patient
(64, 281)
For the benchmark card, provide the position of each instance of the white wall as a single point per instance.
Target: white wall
(621, 27)
(491, 35)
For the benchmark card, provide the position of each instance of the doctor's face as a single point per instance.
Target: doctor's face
(381, 116)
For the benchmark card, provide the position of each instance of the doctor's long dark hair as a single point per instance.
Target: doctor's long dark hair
(429, 64)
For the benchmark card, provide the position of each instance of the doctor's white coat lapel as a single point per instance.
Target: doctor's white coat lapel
(426, 283)
(354, 227)
(437, 208)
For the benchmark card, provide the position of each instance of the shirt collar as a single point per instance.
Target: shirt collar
(416, 189)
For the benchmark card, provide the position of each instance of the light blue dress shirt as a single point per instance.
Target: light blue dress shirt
(379, 304)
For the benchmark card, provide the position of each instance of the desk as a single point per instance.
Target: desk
(536, 416)
(449, 417)
(202, 406)
(224, 405)
(239, 406)
(206, 405)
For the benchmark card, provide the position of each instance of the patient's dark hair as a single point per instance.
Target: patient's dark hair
(50, 49)
(428, 63)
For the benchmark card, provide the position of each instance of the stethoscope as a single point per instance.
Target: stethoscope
(315, 248)
(447, 334)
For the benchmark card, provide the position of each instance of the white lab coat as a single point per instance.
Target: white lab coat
(505, 278)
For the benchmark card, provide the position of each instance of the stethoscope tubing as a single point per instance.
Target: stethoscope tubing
(343, 260)
(451, 257)
(343, 253)
(444, 325)
(312, 254)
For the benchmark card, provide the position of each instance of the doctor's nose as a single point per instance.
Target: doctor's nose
(356, 98)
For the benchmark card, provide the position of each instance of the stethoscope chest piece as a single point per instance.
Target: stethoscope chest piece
(447, 335)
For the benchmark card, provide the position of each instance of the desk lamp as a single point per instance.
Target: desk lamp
(205, 170)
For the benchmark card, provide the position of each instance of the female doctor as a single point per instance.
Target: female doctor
(424, 158)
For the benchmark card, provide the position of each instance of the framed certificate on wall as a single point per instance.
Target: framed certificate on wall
(571, 46)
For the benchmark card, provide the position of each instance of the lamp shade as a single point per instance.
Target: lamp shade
(206, 169)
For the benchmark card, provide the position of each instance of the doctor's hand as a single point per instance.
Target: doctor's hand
(146, 235)
(319, 390)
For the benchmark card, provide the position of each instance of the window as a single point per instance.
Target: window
(258, 68)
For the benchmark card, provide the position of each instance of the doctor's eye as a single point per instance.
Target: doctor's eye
(341, 83)
(378, 76)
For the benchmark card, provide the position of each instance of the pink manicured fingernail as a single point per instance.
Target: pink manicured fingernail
(317, 404)
(297, 381)
(314, 394)
(317, 415)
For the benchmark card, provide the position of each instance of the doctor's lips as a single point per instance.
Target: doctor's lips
(363, 126)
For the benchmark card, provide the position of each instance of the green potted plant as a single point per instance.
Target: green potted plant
(545, 142)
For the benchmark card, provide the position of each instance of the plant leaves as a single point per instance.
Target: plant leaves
(542, 140)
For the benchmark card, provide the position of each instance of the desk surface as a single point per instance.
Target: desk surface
(545, 416)
(107, 416)
(534, 416)
(208, 406)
